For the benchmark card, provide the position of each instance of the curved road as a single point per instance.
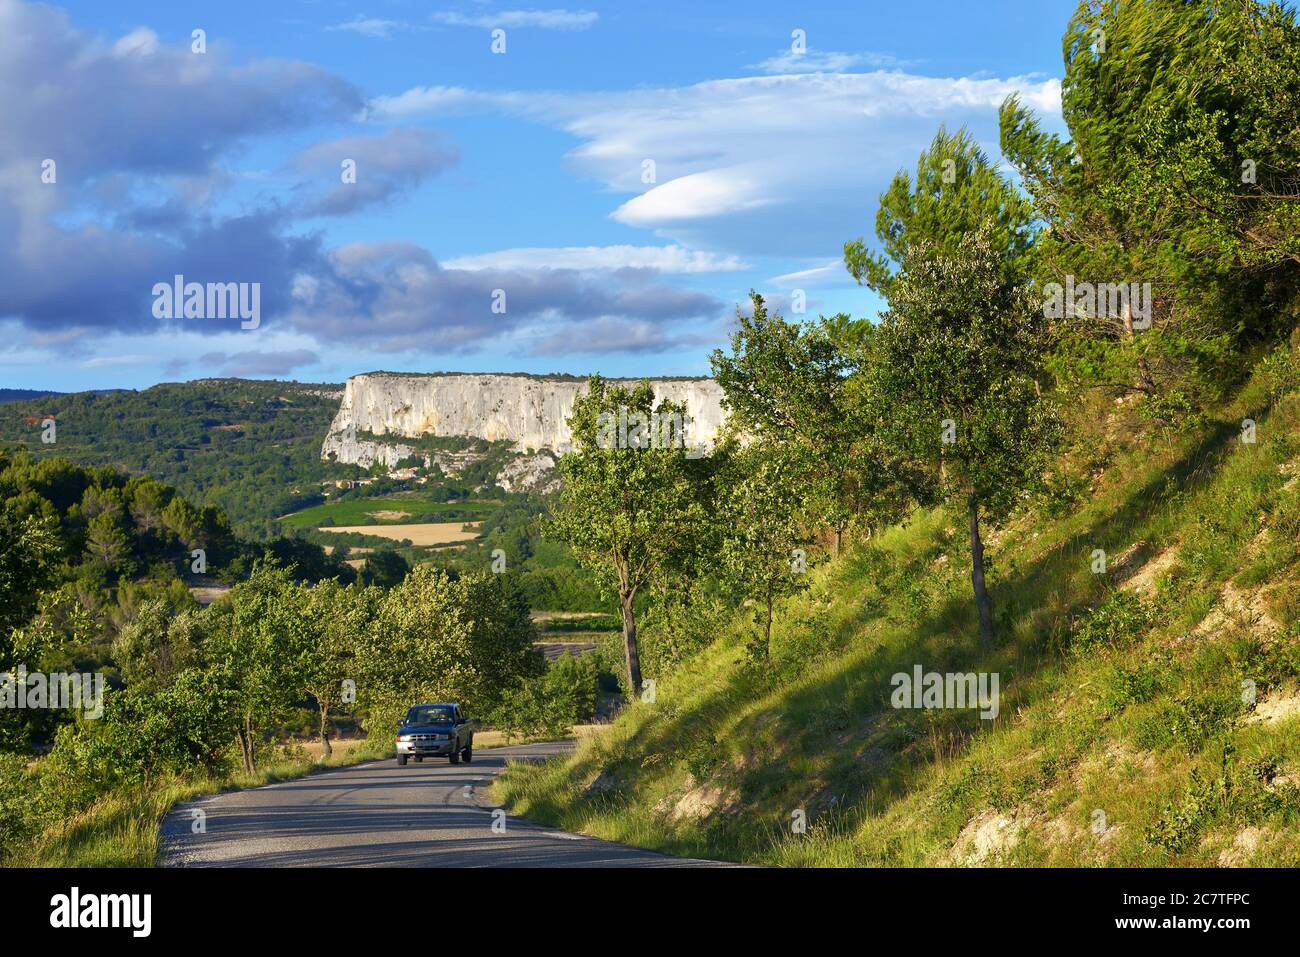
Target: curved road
(432, 814)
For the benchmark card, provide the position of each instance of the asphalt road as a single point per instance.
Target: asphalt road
(432, 814)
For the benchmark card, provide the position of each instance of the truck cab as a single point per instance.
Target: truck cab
(438, 729)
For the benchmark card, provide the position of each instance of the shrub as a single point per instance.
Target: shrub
(1279, 372)
(572, 684)
(18, 820)
(1119, 619)
(529, 710)
(1130, 686)
(1190, 720)
(183, 728)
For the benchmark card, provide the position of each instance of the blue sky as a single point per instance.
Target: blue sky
(527, 171)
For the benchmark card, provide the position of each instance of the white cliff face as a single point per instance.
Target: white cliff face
(530, 412)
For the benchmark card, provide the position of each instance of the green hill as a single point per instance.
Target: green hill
(251, 448)
(1149, 715)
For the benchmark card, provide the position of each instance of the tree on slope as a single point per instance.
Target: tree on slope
(960, 360)
(764, 529)
(1181, 169)
(955, 191)
(788, 383)
(630, 493)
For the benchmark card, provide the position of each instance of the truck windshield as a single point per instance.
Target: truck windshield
(430, 716)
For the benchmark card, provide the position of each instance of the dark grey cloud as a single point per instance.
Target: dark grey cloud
(395, 297)
(252, 363)
(143, 105)
(122, 121)
(144, 134)
(386, 166)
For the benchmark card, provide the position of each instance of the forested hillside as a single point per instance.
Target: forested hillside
(1009, 576)
(121, 692)
(250, 448)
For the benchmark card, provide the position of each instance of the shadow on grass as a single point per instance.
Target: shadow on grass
(832, 727)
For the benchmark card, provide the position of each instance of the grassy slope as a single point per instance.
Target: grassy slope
(1121, 693)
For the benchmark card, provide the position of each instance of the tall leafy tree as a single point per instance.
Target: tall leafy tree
(29, 550)
(764, 523)
(1181, 169)
(106, 542)
(437, 638)
(326, 655)
(254, 643)
(955, 191)
(630, 493)
(159, 641)
(789, 383)
(959, 373)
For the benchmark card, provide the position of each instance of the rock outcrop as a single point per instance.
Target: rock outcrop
(530, 473)
(529, 411)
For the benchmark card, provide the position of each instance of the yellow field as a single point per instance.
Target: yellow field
(427, 533)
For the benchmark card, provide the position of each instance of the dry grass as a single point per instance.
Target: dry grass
(420, 534)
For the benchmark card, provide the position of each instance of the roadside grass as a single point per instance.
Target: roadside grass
(122, 828)
(1127, 734)
(485, 740)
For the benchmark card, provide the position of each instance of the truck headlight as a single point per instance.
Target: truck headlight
(403, 737)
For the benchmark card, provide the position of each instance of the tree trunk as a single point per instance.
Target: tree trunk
(1145, 381)
(839, 535)
(982, 602)
(326, 750)
(629, 645)
(767, 628)
(246, 747)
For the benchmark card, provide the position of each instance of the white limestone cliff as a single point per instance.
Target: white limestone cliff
(529, 411)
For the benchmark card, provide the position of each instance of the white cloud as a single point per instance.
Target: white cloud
(128, 360)
(704, 195)
(827, 61)
(831, 272)
(371, 27)
(139, 42)
(665, 259)
(769, 165)
(545, 19)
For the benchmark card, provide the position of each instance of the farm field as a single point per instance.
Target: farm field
(420, 534)
(377, 511)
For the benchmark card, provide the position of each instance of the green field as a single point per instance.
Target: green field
(358, 512)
